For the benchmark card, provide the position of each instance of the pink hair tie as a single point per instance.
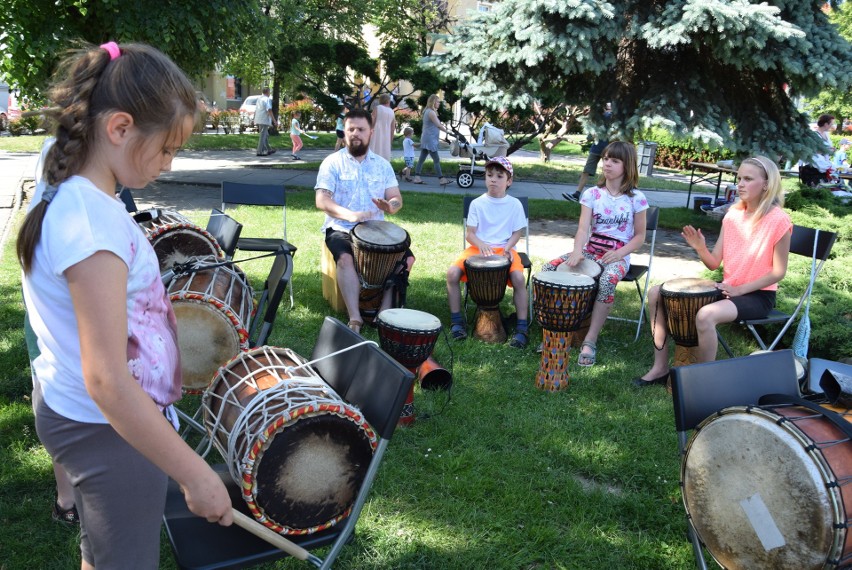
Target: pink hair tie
(112, 50)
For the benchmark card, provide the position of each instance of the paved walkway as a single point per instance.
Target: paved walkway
(210, 168)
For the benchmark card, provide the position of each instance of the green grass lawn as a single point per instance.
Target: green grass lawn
(503, 477)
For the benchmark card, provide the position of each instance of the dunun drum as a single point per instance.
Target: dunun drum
(213, 308)
(768, 487)
(174, 238)
(409, 337)
(562, 301)
(593, 270)
(298, 451)
(377, 247)
(681, 300)
(487, 276)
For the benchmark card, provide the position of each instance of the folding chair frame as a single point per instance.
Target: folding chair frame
(635, 273)
(260, 195)
(801, 243)
(700, 390)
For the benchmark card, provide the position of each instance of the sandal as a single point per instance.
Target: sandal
(65, 516)
(444, 181)
(520, 340)
(356, 325)
(587, 359)
(458, 332)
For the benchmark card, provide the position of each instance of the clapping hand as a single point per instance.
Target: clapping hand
(694, 238)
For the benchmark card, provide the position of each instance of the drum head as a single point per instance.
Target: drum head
(310, 472)
(757, 498)
(585, 267)
(409, 319)
(487, 262)
(688, 285)
(563, 279)
(380, 232)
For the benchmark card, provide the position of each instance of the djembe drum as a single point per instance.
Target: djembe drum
(769, 487)
(593, 270)
(562, 301)
(487, 276)
(681, 300)
(213, 308)
(378, 247)
(298, 451)
(174, 238)
(409, 337)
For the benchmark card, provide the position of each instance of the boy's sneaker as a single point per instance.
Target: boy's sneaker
(575, 197)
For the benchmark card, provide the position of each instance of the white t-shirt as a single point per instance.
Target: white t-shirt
(613, 216)
(80, 221)
(407, 147)
(496, 219)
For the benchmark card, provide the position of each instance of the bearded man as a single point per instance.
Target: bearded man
(355, 185)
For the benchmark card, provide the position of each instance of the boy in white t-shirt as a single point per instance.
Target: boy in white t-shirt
(495, 223)
(408, 153)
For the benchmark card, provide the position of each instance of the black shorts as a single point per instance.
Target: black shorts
(591, 166)
(338, 242)
(754, 305)
(339, 133)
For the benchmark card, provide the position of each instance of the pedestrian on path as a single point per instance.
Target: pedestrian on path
(264, 118)
(591, 166)
(296, 133)
(384, 127)
(429, 140)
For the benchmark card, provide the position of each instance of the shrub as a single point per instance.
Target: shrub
(407, 118)
(313, 117)
(17, 127)
(675, 152)
(230, 119)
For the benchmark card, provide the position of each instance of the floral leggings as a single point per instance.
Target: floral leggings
(609, 278)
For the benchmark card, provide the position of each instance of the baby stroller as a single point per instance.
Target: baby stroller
(491, 143)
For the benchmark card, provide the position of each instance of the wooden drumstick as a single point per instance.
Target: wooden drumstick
(247, 523)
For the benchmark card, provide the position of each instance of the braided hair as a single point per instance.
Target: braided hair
(92, 83)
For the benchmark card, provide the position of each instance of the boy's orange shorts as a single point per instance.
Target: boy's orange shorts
(472, 250)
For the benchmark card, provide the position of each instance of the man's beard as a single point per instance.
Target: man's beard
(358, 148)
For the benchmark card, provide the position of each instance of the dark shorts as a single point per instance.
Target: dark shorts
(754, 305)
(338, 242)
(591, 167)
(339, 133)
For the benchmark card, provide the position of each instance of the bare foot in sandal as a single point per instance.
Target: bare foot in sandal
(356, 325)
(588, 353)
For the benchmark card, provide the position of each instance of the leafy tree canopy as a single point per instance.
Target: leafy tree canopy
(834, 101)
(722, 71)
(196, 35)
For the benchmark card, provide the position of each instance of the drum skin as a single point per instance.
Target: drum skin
(300, 451)
(759, 497)
(682, 298)
(175, 239)
(213, 308)
(377, 247)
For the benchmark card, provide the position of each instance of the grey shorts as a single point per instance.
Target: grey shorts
(591, 167)
(120, 495)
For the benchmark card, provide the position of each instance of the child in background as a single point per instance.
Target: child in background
(408, 153)
(496, 222)
(611, 227)
(295, 134)
(109, 366)
(338, 129)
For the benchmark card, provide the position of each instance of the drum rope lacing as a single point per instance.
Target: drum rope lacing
(244, 425)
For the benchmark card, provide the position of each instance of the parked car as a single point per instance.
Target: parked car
(247, 110)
